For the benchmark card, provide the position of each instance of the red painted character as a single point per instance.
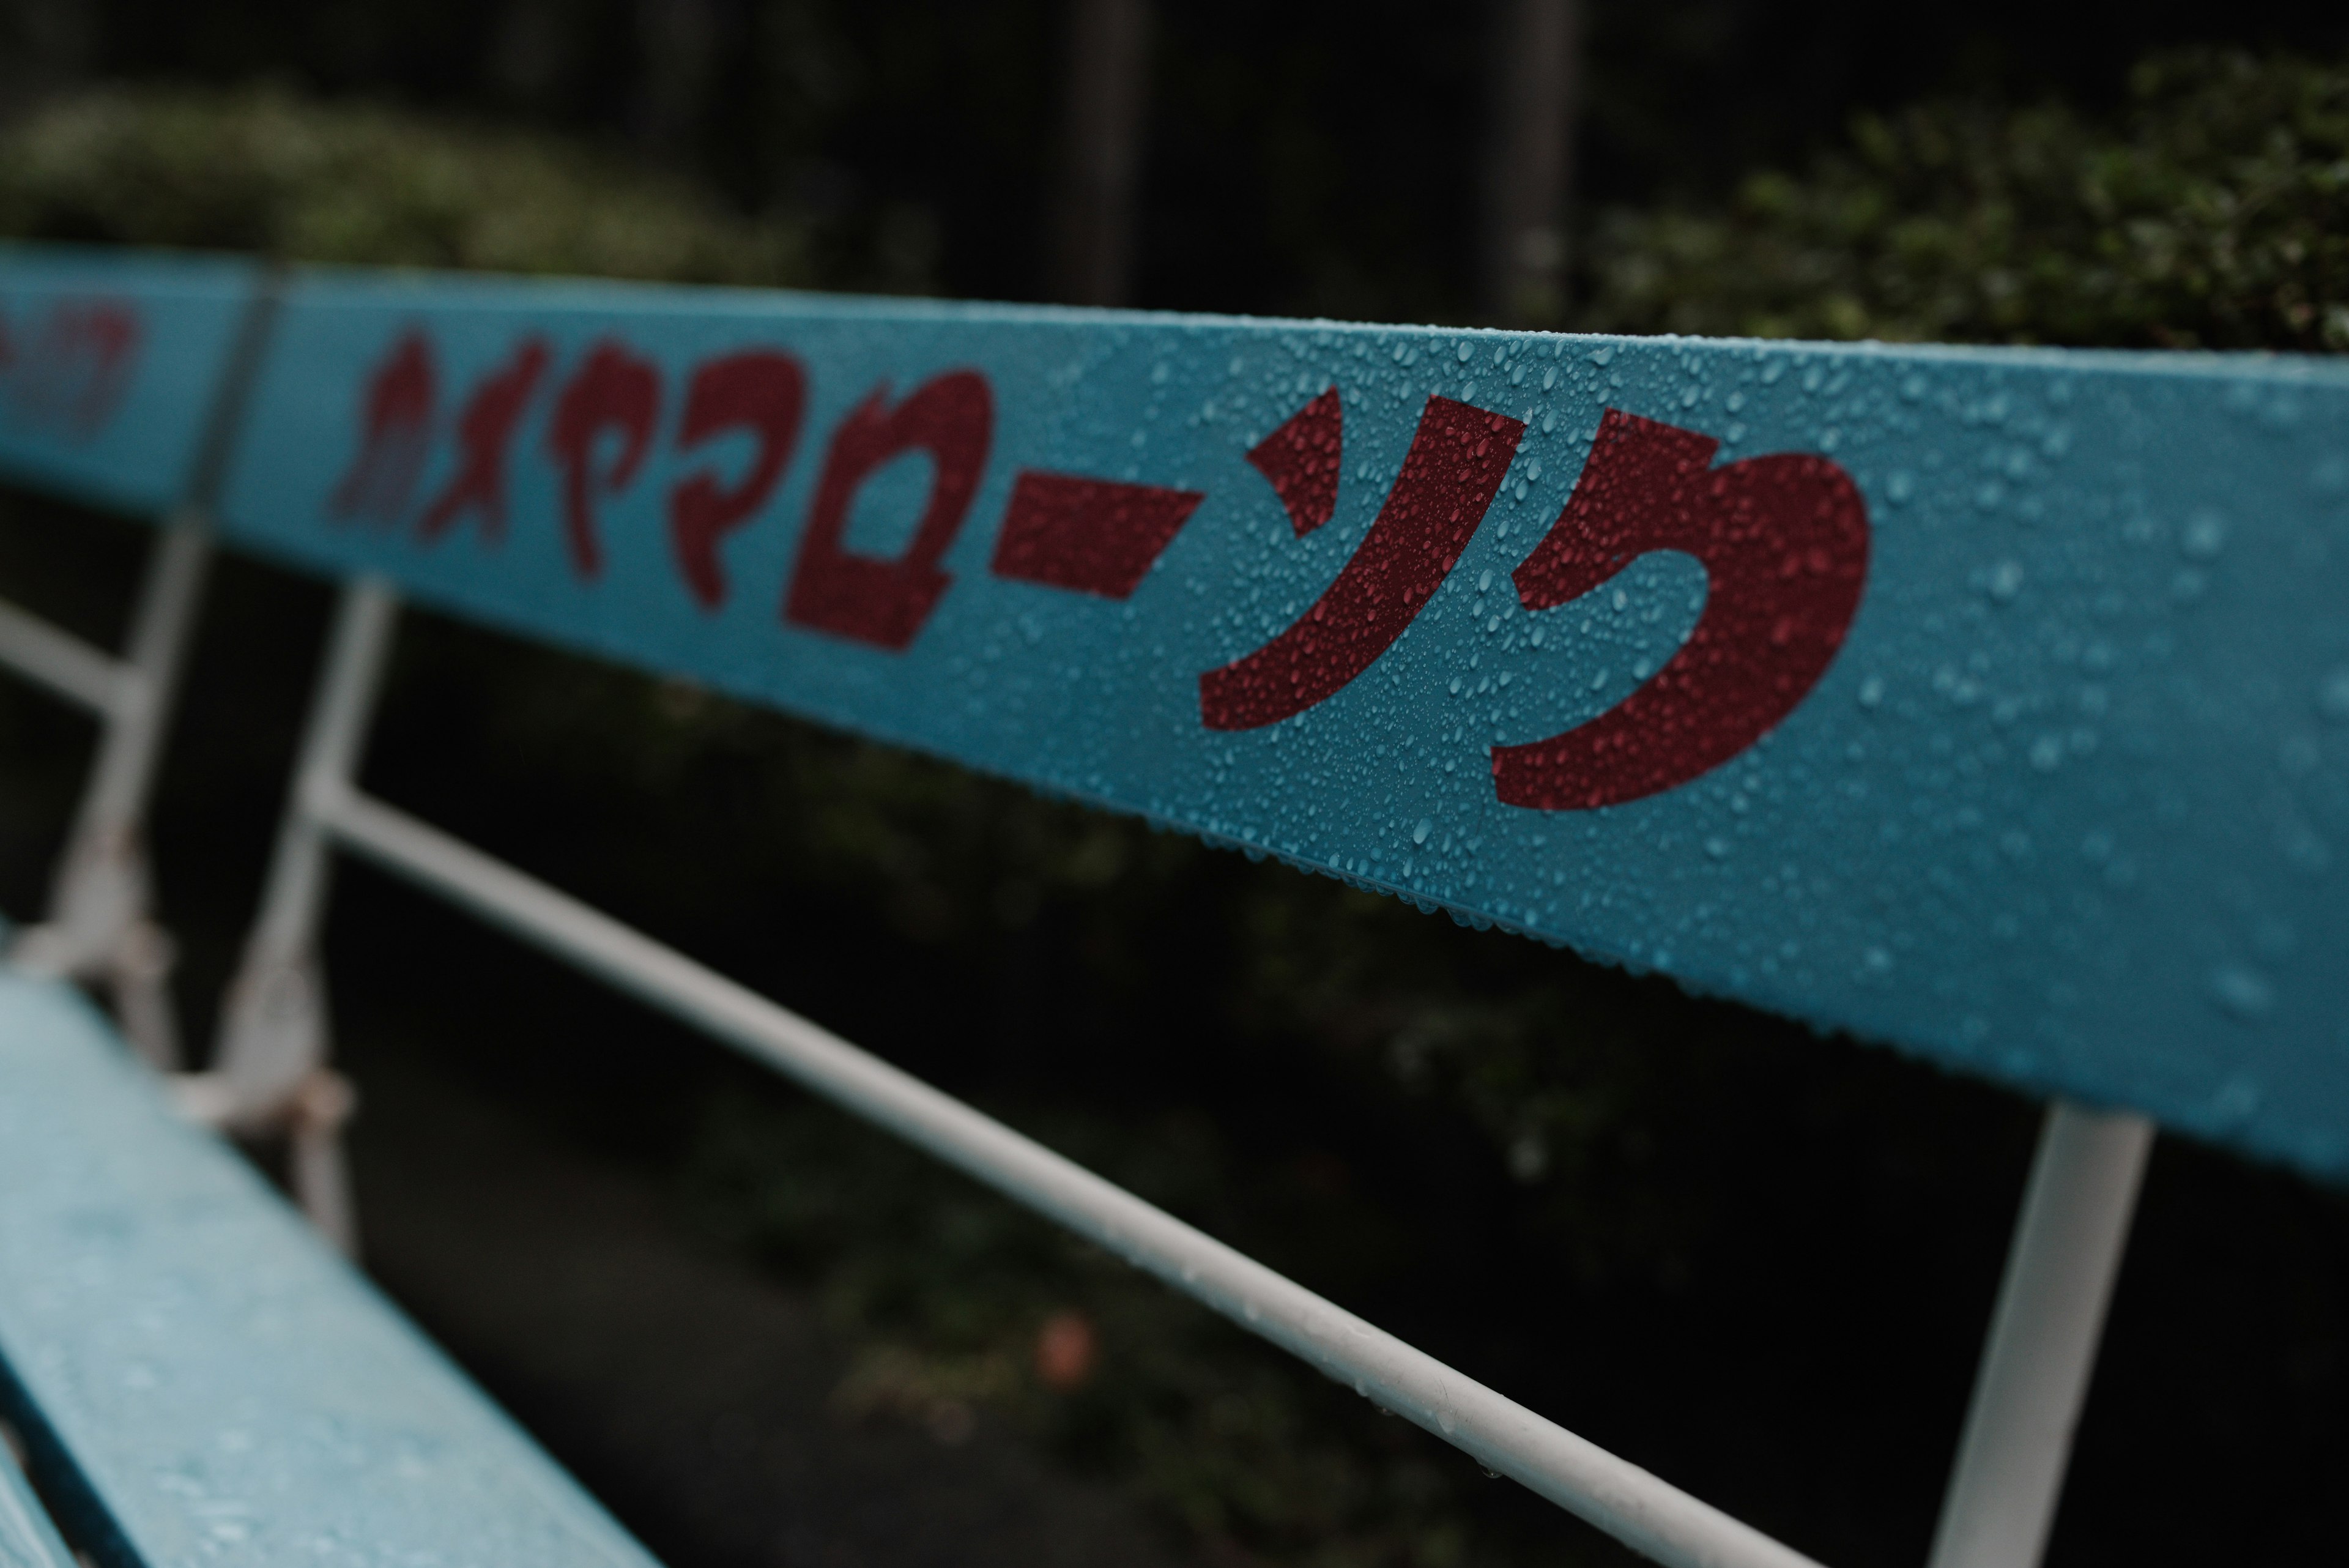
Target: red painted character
(484, 432)
(759, 390)
(1784, 542)
(886, 602)
(73, 376)
(1449, 478)
(395, 432)
(613, 393)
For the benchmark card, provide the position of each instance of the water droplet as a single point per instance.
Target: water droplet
(2005, 581)
(2242, 990)
(2205, 536)
(1419, 834)
(2333, 695)
(2236, 1100)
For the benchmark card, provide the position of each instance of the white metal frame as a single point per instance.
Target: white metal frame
(99, 925)
(272, 1068)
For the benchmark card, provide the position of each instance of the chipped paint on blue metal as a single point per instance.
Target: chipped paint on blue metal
(2064, 807)
(225, 1389)
(109, 362)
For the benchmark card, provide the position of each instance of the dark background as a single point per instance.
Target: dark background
(1313, 157)
(1760, 1267)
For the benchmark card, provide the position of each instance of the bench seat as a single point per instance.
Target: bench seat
(197, 1379)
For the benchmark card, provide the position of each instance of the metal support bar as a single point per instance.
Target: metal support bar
(2042, 1339)
(270, 1073)
(68, 666)
(1620, 1497)
(364, 619)
(149, 676)
(99, 923)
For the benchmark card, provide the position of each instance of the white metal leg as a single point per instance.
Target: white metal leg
(2042, 1339)
(98, 924)
(270, 1073)
(125, 775)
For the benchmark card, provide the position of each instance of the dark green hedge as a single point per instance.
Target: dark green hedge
(2214, 212)
(264, 170)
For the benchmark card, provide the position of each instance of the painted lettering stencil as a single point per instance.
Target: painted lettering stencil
(1784, 540)
(109, 365)
(1994, 704)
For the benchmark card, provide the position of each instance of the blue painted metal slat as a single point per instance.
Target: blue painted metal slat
(1992, 704)
(108, 364)
(2021, 738)
(224, 1388)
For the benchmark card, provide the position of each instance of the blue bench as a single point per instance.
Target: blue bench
(196, 1378)
(1938, 695)
(187, 1371)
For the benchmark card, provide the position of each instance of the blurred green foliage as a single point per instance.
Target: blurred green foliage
(262, 170)
(2213, 212)
(1472, 1139)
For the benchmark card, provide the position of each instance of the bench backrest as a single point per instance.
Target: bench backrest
(1986, 702)
(1992, 703)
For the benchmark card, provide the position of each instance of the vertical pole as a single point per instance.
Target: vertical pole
(125, 775)
(1107, 94)
(271, 1071)
(356, 649)
(1529, 170)
(98, 920)
(678, 42)
(2042, 1339)
(98, 902)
